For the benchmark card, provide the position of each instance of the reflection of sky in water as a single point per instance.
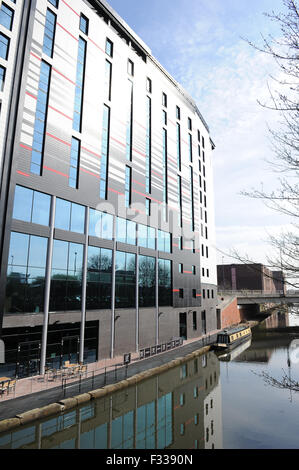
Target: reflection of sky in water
(256, 415)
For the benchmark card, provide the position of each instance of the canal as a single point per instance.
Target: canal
(210, 402)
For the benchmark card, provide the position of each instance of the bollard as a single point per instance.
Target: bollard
(105, 377)
(115, 372)
(80, 384)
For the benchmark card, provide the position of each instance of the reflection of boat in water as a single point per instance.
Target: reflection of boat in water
(231, 355)
(230, 338)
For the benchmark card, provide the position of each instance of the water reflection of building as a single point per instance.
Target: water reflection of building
(180, 409)
(277, 320)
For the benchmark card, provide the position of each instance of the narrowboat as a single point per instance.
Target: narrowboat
(232, 337)
(233, 355)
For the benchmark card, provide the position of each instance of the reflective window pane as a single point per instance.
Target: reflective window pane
(63, 214)
(77, 218)
(23, 204)
(41, 208)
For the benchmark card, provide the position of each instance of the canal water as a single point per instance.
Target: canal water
(208, 403)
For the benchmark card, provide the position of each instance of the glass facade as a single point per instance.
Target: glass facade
(146, 237)
(66, 279)
(74, 163)
(77, 118)
(105, 153)
(100, 224)
(147, 281)
(164, 241)
(165, 282)
(69, 216)
(125, 280)
(6, 16)
(26, 274)
(40, 118)
(49, 35)
(99, 278)
(31, 206)
(190, 147)
(4, 46)
(125, 231)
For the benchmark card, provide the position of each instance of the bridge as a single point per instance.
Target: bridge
(247, 297)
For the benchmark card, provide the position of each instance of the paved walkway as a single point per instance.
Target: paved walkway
(36, 392)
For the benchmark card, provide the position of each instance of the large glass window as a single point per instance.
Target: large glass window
(40, 118)
(105, 153)
(77, 118)
(26, 274)
(147, 281)
(125, 280)
(100, 224)
(66, 280)
(31, 206)
(125, 231)
(164, 241)
(165, 282)
(49, 35)
(146, 236)
(74, 163)
(69, 216)
(6, 16)
(99, 278)
(4, 46)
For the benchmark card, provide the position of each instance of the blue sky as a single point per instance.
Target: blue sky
(199, 43)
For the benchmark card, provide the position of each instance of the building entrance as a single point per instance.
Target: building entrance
(28, 359)
(183, 325)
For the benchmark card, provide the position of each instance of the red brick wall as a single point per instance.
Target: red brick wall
(230, 315)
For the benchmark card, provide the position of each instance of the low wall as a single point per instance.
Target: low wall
(69, 403)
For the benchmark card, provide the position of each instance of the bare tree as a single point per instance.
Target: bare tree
(283, 99)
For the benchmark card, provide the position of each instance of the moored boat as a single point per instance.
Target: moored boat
(232, 337)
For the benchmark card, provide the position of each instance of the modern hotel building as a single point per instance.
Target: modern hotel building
(106, 210)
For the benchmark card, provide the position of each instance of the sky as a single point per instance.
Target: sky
(199, 42)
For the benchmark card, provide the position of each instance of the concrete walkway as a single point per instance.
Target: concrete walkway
(38, 391)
